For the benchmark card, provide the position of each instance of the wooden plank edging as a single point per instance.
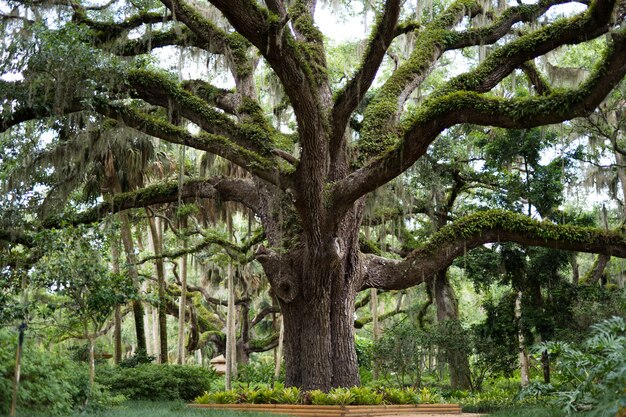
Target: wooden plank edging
(337, 410)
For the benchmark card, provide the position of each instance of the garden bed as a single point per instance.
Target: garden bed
(338, 410)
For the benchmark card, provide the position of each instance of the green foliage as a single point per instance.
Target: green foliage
(364, 351)
(403, 349)
(290, 395)
(139, 358)
(525, 411)
(74, 269)
(219, 397)
(400, 396)
(366, 396)
(336, 396)
(256, 372)
(49, 383)
(157, 382)
(592, 375)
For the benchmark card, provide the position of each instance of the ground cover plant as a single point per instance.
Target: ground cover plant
(279, 394)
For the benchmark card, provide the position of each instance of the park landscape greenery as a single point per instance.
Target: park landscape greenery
(402, 218)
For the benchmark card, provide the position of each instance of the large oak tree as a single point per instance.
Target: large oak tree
(307, 188)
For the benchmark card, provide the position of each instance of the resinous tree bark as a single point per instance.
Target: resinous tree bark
(310, 201)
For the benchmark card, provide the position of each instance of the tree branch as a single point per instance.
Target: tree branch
(581, 28)
(226, 189)
(541, 85)
(32, 102)
(491, 226)
(470, 107)
(258, 165)
(380, 130)
(350, 97)
(502, 25)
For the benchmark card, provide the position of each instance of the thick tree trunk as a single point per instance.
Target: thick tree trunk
(319, 316)
(131, 260)
(448, 309)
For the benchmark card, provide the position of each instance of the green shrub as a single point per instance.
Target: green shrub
(139, 358)
(318, 397)
(158, 382)
(364, 352)
(336, 396)
(220, 397)
(49, 382)
(256, 373)
(289, 395)
(400, 396)
(366, 396)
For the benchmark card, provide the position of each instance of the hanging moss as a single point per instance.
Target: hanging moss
(523, 45)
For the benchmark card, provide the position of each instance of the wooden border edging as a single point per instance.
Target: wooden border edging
(338, 410)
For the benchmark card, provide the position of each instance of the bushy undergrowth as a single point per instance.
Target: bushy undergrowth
(592, 376)
(337, 396)
(157, 382)
(50, 384)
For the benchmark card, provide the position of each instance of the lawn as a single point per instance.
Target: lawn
(179, 409)
(528, 412)
(164, 409)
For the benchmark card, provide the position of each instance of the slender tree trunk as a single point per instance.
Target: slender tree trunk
(375, 325)
(573, 260)
(243, 357)
(448, 309)
(597, 270)
(117, 335)
(18, 368)
(92, 361)
(231, 341)
(131, 260)
(183, 299)
(545, 364)
(157, 248)
(156, 336)
(117, 331)
(147, 308)
(523, 353)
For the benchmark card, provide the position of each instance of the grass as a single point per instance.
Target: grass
(164, 409)
(528, 412)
